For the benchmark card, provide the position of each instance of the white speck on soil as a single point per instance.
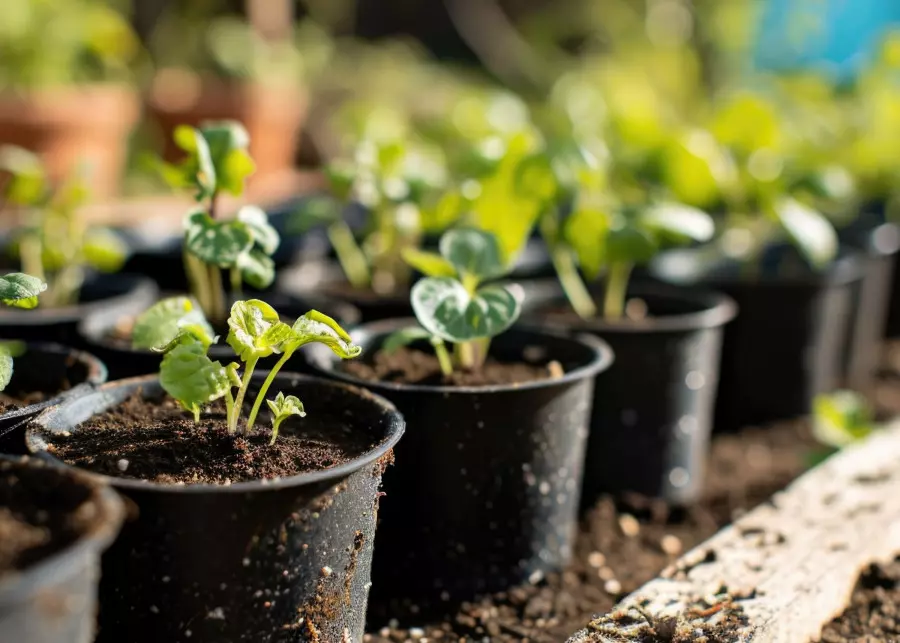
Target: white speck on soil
(671, 545)
(612, 586)
(122, 465)
(536, 577)
(629, 525)
(596, 559)
(154, 609)
(217, 614)
(326, 571)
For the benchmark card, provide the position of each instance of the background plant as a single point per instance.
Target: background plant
(19, 291)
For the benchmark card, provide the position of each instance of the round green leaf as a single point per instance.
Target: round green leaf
(219, 243)
(188, 375)
(285, 406)
(162, 325)
(255, 329)
(28, 185)
(535, 179)
(198, 168)
(6, 367)
(317, 327)
(228, 142)
(428, 263)
(20, 290)
(445, 309)
(257, 268)
(473, 252)
(630, 244)
(104, 250)
(257, 221)
(810, 231)
(681, 222)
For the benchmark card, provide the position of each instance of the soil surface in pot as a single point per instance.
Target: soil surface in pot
(873, 615)
(412, 366)
(41, 512)
(623, 543)
(155, 439)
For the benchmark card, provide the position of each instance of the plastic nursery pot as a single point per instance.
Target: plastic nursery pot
(53, 598)
(52, 370)
(880, 243)
(653, 409)
(484, 494)
(787, 345)
(98, 333)
(100, 293)
(327, 278)
(269, 561)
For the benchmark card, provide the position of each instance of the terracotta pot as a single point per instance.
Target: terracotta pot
(71, 125)
(273, 116)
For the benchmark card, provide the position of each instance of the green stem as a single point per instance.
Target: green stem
(237, 283)
(266, 384)
(443, 355)
(239, 400)
(465, 355)
(481, 348)
(275, 425)
(572, 284)
(31, 256)
(197, 278)
(217, 295)
(349, 254)
(616, 289)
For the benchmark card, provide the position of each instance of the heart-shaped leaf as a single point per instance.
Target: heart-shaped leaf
(679, 222)
(257, 221)
(219, 243)
(282, 408)
(473, 252)
(341, 177)
(257, 268)
(630, 244)
(810, 231)
(197, 169)
(317, 327)
(162, 325)
(20, 290)
(586, 231)
(104, 250)
(428, 263)
(6, 367)
(446, 309)
(28, 184)
(188, 375)
(255, 329)
(228, 142)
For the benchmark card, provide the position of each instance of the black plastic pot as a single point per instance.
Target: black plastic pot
(787, 345)
(327, 278)
(272, 561)
(880, 243)
(55, 599)
(49, 369)
(653, 409)
(124, 361)
(484, 494)
(107, 293)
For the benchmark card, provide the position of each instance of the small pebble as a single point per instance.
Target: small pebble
(326, 571)
(416, 632)
(596, 559)
(671, 545)
(122, 465)
(629, 525)
(606, 573)
(612, 586)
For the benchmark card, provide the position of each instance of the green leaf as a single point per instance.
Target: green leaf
(282, 408)
(314, 212)
(473, 252)
(586, 231)
(163, 325)
(198, 168)
(6, 367)
(341, 177)
(219, 243)
(440, 213)
(535, 178)
(257, 268)
(20, 290)
(428, 263)
(681, 222)
(404, 337)
(630, 244)
(255, 329)
(28, 185)
(810, 231)
(104, 250)
(841, 418)
(257, 221)
(317, 327)
(446, 309)
(188, 375)
(228, 142)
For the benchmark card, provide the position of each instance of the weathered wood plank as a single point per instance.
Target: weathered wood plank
(783, 570)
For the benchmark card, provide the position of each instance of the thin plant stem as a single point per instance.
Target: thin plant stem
(572, 284)
(349, 254)
(616, 289)
(217, 294)
(229, 410)
(443, 356)
(239, 400)
(31, 256)
(481, 347)
(266, 384)
(197, 278)
(236, 282)
(465, 355)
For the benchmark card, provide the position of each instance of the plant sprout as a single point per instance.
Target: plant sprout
(217, 162)
(452, 305)
(177, 329)
(55, 243)
(841, 418)
(19, 291)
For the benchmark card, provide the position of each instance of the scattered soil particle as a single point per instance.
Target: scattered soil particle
(41, 512)
(156, 440)
(412, 366)
(873, 615)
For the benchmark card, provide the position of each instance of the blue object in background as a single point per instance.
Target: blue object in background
(834, 36)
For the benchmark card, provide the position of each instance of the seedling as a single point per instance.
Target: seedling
(174, 327)
(217, 162)
(19, 291)
(841, 418)
(55, 243)
(452, 305)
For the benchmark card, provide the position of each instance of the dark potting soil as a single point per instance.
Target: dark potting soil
(41, 512)
(873, 615)
(412, 366)
(623, 543)
(156, 440)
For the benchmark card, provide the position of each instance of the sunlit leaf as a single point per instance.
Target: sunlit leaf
(810, 231)
(192, 378)
(20, 290)
(841, 418)
(429, 264)
(257, 268)
(586, 231)
(255, 329)
(6, 367)
(404, 337)
(282, 408)
(317, 327)
(630, 244)
(28, 182)
(162, 325)
(257, 221)
(446, 309)
(219, 243)
(678, 221)
(473, 252)
(104, 250)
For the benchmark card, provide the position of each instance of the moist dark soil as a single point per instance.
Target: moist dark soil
(412, 366)
(156, 440)
(873, 615)
(41, 512)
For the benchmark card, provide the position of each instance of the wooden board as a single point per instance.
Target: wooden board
(783, 570)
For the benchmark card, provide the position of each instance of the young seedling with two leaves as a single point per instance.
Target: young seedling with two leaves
(176, 328)
(453, 303)
(54, 242)
(19, 291)
(217, 162)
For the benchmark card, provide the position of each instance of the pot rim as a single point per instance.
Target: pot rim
(18, 587)
(602, 359)
(393, 432)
